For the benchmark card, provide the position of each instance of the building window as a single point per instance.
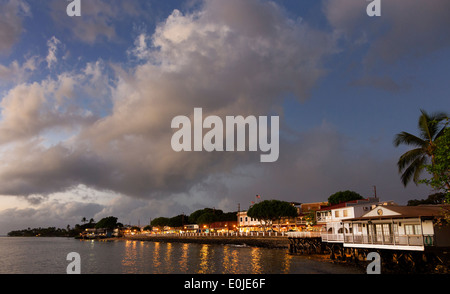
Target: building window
(336, 213)
(409, 229)
(418, 229)
(345, 213)
(413, 230)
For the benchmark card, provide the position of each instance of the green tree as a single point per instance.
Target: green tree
(206, 218)
(177, 221)
(268, 211)
(440, 170)
(310, 218)
(193, 217)
(343, 196)
(109, 222)
(436, 198)
(160, 222)
(412, 162)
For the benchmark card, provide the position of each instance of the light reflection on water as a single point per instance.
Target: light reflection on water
(48, 255)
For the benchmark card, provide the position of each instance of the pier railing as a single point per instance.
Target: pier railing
(402, 240)
(311, 234)
(222, 234)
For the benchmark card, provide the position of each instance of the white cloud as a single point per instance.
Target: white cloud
(16, 73)
(52, 50)
(209, 58)
(141, 50)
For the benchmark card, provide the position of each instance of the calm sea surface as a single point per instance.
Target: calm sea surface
(49, 256)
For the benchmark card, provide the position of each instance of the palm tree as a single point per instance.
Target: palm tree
(412, 162)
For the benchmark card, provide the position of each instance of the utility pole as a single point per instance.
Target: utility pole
(238, 222)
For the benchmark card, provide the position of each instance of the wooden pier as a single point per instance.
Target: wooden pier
(408, 261)
(305, 243)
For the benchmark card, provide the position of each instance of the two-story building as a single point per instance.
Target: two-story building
(246, 223)
(332, 217)
(412, 228)
(306, 219)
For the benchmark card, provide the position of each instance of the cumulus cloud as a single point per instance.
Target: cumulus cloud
(213, 58)
(17, 73)
(29, 109)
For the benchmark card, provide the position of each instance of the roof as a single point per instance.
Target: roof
(369, 200)
(400, 211)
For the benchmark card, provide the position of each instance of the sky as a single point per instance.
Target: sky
(86, 102)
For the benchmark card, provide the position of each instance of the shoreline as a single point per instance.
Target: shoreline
(265, 242)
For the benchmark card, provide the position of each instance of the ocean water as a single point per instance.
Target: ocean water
(49, 256)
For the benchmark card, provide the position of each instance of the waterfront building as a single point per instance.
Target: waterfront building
(306, 220)
(223, 226)
(191, 228)
(331, 218)
(91, 233)
(246, 223)
(399, 227)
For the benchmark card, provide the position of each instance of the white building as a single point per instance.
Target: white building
(332, 217)
(247, 223)
(398, 227)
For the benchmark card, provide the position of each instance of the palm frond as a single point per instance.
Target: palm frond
(420, 162)
(413, 171)
(430, 125)
(409, 139)
(412, 162)
(408, 157)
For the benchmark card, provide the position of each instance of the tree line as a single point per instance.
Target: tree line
(203, 216)
(109, 222)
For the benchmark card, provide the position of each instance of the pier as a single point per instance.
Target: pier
(305, 243)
